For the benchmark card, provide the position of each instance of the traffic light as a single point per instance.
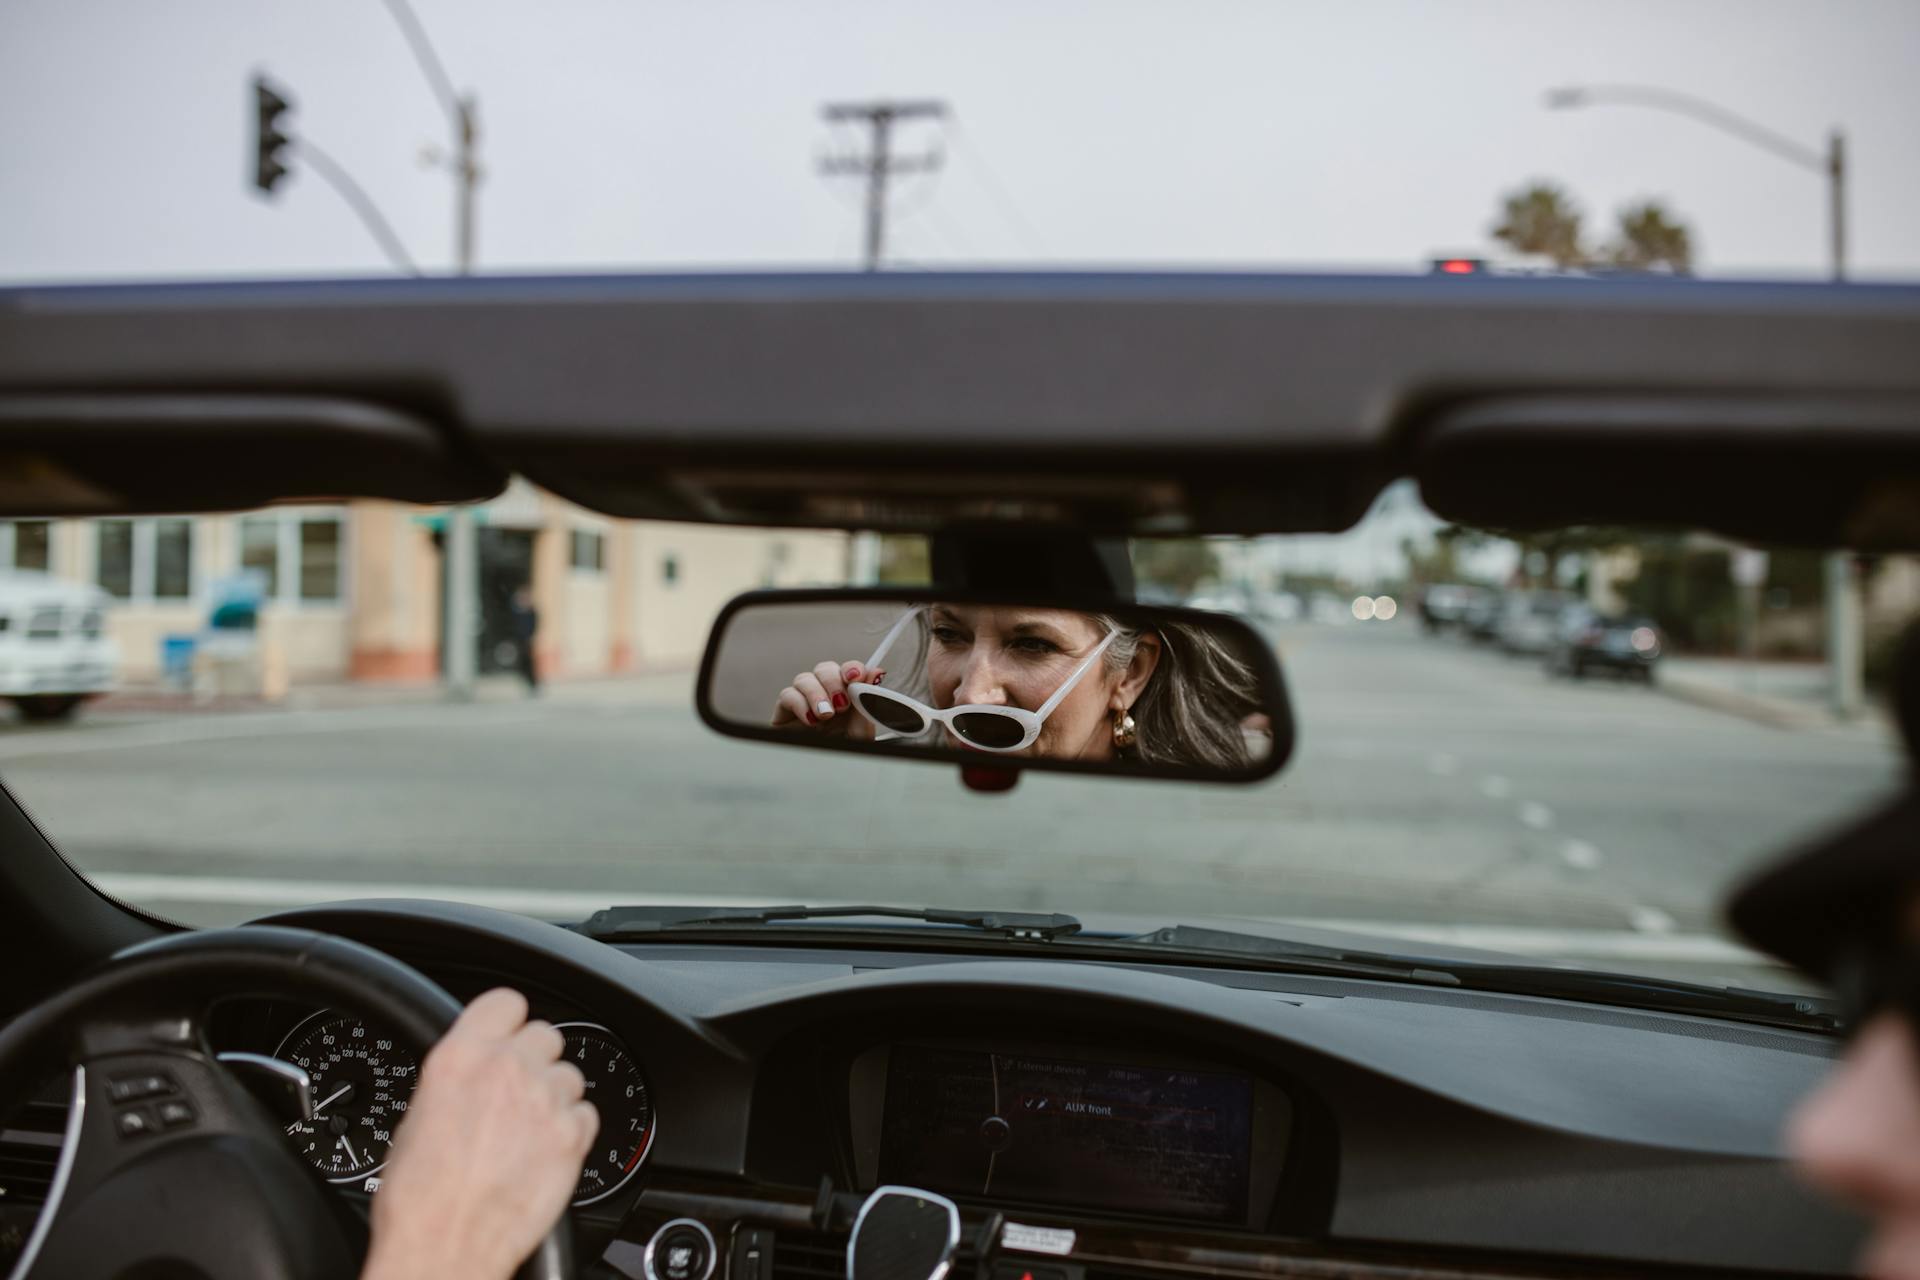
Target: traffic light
(1459, 267)
(269, 142)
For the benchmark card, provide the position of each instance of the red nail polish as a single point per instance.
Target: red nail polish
(839, 702)
(812, 718)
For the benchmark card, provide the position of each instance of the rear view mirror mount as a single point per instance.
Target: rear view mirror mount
(999, 682)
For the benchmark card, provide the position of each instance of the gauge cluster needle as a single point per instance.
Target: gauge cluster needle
(318, 1107)
(351, 1153)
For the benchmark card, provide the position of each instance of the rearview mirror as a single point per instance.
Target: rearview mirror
(1004, 683)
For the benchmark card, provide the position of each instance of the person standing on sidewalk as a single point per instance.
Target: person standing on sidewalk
(526, 621)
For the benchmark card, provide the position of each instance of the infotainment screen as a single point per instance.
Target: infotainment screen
(1124, 1139)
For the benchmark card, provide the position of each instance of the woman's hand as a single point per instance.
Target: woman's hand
(819, 699)
(489, 1153)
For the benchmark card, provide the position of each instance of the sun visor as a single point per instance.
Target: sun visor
(1823, 470)
(80, 454)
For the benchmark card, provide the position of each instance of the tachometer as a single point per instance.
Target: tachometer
(618, 1092)
(362, 1083)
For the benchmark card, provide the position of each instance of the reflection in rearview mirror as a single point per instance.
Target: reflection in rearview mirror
(1169, 692)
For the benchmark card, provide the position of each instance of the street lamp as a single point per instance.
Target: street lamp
(1843, 606)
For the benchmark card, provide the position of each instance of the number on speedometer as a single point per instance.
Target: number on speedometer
(362, 1083)
(618, 1092)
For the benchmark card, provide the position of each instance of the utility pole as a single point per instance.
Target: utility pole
(462, 538)
(1845, 641)
(879, 163)
(877, 166)
(460, 644)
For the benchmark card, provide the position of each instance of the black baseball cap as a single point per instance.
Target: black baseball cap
(1854, 886)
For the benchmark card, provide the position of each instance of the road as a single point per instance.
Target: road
(1435, 787)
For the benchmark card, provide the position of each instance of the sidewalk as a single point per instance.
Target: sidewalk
(632, 688)
(1785, 695)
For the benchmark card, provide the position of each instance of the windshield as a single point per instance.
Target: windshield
(1565, 746)
(269, 731)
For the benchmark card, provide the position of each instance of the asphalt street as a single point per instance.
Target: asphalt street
(1438, 788)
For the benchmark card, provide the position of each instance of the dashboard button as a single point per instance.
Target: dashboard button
(135, 1122)
(131, 1088)
(174, 1113)
(682, 1249)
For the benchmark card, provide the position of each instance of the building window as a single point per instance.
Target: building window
(670, 568)
(172, 559)
(144, 559)
(299, 556)
(589, 551)
(320, 559)
(113, 557)
(27, 544)
(260, 550)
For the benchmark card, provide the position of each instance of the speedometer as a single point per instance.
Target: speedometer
(362, 1082)
(618, 1092)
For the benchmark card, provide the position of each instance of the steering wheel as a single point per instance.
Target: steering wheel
(218, 1194)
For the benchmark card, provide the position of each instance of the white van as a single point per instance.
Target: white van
(54, 652)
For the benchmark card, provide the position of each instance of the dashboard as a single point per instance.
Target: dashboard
(1095, 1121)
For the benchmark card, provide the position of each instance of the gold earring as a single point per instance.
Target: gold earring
(1125, 732)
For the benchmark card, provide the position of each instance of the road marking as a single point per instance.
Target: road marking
(1579, 854)
(1495, 787)
(1536, 815)
(1650, 920)
(1442, 764)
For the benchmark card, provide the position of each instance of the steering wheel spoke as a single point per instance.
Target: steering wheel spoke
(166, 1155)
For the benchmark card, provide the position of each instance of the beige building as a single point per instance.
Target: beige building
(354, 592)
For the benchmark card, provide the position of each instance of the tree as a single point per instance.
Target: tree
(1541, 219)
(1650, 238)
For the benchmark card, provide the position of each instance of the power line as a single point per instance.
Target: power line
(879, 165)
(1002, 196)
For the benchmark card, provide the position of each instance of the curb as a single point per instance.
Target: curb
(1776, 713)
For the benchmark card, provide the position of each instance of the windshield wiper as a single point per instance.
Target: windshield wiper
(1663, 995)
(616, 924)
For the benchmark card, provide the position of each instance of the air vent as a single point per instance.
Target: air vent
(816, 1255)
(28, 1151)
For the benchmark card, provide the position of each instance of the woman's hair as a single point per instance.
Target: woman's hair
(1190, 713)
(1200, 694)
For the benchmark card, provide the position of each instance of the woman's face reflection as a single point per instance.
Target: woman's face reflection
(1005, 657)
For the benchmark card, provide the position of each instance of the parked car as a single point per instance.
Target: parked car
(1480, 619)
(1627, 644)
(1448, 604)
(1530, 620)
(54, 653)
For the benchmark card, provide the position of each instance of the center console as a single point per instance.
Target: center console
(1058, 1127)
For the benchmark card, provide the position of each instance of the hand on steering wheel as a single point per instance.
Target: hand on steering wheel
(489, 1152)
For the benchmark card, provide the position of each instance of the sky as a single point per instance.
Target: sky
(1213, 134)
